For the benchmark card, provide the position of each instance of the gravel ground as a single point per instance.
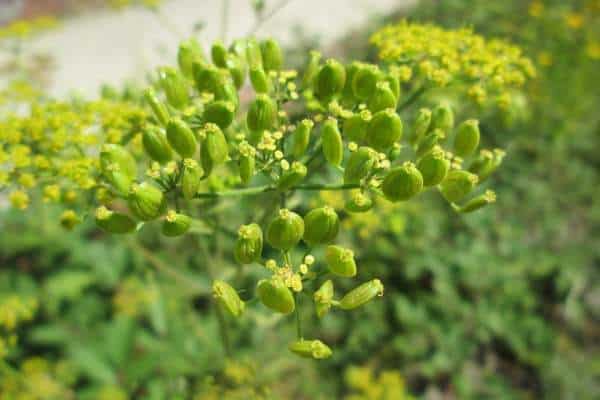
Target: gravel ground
(111, 47)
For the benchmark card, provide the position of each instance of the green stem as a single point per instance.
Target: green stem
(224, 20)
(223, 330)
(298, 320)
(267, 16)
(269, 188)
(412, 98)
(166, 269)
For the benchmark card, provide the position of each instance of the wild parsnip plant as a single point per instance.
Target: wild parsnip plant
(192, 142)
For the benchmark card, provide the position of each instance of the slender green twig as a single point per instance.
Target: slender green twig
(412, 98)
(264, 18)
(166, 269)
(269, 188)
(224, 20)
(223, 330)
(298, 319)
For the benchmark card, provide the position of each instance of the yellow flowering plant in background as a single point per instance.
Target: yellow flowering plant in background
(488, 70)
(256, 178)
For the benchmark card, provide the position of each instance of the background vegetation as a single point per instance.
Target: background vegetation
(502, 303)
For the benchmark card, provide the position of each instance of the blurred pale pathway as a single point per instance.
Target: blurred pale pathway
(111, 47)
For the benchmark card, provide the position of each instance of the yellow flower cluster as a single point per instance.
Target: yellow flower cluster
(118, 4)
(133, 297)
(51, 150)
(38, 379)
(388, 385)
(14, 310)
(22, 29)
(440, 57)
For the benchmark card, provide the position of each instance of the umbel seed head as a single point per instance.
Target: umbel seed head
(340, 261)
(285, 230)
(402, 183)
(145, 201)
(249, 244)
(310, 349)
(321, 226)
(274, 294)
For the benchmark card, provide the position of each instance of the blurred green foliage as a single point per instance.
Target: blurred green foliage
(506, 305)
(502, 303)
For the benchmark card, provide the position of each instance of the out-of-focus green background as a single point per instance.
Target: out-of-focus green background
(500, 304)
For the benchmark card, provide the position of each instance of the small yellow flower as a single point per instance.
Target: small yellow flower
(574, 20)
(592, 50)
(536, 8)
(19, 199)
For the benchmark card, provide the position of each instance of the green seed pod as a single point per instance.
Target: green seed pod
(247, 162)
(228, 298)
(181, 138)
(156, 144)
(249, 245)
(189, 52)
(237, 69)
(228, 92)
(272, 56)
(275, 295)
(394, 82)
(382, 98)
(310, 349)
(190, 178)
(118, 180)
(253, 54)
(302, 137)
(421, 127)
(208, 78)
(477, 202)
(433, 166)
(365, 81)
(361, 295)
(262, 113)
(259, 79)
(158, 109)
(384, 129)
(238, 47)
(359, 165)
(175, 87)
(333, 147)
(355, 127)
(428, 142)
(112, 155)
(321, 226)
(358, 203)
(340, 261)
(457, 185)
(312, 69)
(218, 53)
(205, 161)
(219, 112)
(467, 138)
(114, 222)
(442, 118)
(348, 92)
(215, 143)
(486, 163)
(145, 201)
(286, 230)
(323, 297)
(176, 224)
(330, 80)
(118, 167)
(402, 183)
(294, 175)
